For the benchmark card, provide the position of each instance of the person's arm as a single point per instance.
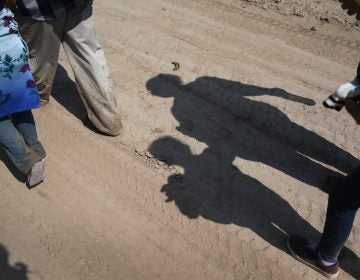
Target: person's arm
(11, 4)
(353, 108)
(352, 7)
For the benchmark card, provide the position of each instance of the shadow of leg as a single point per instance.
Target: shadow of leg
(65, 92)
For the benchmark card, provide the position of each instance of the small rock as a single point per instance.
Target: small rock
(313, 28)
(148, 154)
(326, 19)
(140, 153)
(298, 13)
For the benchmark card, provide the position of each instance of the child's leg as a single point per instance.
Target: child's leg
(15, 146)
(24, 122)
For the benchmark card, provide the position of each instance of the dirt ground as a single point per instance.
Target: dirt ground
(218, 161)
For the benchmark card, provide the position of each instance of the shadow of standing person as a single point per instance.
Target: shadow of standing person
(228, 105)
(7, 272)
(213, 188)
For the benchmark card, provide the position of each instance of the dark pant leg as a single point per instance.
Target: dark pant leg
(343, 204)
(15, 146)
(25, 123)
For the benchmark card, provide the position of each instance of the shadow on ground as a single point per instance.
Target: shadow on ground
(12, 168)
(66, 93)
(8, 272)
(218, 113)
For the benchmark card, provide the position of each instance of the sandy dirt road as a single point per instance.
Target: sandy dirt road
(218, 160)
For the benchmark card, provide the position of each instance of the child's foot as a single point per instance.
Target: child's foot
(36, 174)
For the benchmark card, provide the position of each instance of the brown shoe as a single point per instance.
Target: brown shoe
(306, 252)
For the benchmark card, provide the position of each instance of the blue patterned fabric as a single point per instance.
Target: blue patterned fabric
(18, 91)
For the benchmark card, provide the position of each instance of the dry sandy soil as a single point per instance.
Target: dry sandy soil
(218, 161)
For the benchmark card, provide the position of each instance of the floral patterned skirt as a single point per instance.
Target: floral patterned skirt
(18, 91)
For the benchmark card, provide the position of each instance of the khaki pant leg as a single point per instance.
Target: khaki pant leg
(91, 71)
(43, 39)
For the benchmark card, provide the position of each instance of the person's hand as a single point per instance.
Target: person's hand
(353, 108)
(11, 4)
(352, 7)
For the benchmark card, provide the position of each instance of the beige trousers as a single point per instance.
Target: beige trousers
(76, 33)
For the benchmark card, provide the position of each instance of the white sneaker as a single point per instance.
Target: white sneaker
(36, 174)
(337, 99)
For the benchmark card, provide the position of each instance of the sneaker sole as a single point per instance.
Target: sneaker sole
(36, 174)
(331, 276)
